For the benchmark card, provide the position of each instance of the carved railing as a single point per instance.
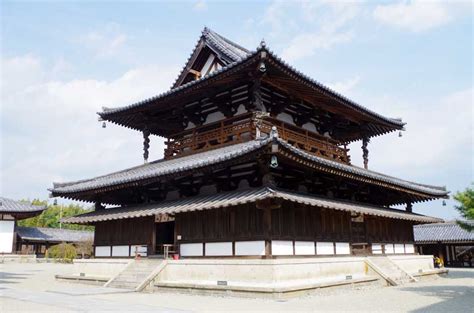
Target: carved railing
(307, 140)
(244, 128)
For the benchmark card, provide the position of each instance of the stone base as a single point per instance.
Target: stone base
(18, 258)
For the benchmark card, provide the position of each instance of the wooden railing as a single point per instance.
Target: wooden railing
(244, 128)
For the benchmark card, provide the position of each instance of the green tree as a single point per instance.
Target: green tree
(466, 207)
(53, 213)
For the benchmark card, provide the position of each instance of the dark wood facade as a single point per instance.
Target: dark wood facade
(247, 97)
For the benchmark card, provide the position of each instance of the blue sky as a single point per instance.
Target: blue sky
(62, 61)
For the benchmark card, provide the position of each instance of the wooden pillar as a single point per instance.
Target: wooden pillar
(146, 144)
(152, 245)
(365, 151)
(267, 226)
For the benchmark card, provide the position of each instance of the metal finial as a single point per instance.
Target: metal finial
(262, 43)
(274, 132)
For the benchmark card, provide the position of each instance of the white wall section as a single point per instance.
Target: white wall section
(389, 248)
(409, 248)
(343, 248)
(218, 248)
(324, 248)
(376, 248)
(399, 248)
(102, 251)
(191, 249)
(6, 236)
(120, 250)
(250, 247)
(281, 247)
(305, 248)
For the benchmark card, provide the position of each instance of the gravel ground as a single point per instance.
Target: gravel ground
(32, 288)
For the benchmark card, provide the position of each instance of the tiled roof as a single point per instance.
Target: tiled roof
(54, 234)
(238, 55)
(434, 190)
(233, 198)
(232, 50)
(12, 206)
(227, 51)
(166, 167)
(162, 167)
(442, 232)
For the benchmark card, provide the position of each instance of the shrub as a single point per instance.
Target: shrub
(63, 252)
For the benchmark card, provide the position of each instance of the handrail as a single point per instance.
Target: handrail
(231, 130)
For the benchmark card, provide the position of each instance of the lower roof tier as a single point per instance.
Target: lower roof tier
(229, 199)
(294, 166)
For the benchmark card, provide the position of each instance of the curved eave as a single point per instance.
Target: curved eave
(80, 190)
(381, 125)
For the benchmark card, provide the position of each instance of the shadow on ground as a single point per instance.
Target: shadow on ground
(450, 296)
(11, 278)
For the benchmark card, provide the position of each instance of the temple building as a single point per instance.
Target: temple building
(256, 165)
(10, 212)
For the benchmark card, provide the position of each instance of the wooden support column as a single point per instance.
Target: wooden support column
(146, 144)
(267, 224)
(365, 151)
(409, 207)
(152, 246)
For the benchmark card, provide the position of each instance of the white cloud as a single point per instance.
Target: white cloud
(416, 15)
(439, 137)
(50, 130)
(104, 42)
(317, 25)
(200, 5)
(345, 86)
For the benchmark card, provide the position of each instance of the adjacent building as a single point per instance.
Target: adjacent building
(10, 212)
(37, 240)
(256, 165)
(448, 241)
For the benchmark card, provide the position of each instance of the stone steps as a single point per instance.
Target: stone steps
(134, 274)
(393, 274)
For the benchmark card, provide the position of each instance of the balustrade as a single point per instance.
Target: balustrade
(244, 128)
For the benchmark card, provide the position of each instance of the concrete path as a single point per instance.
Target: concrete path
(31, 287)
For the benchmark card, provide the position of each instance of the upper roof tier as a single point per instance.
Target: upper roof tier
(218, 65)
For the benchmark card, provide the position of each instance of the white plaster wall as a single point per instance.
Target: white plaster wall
(250, 247)
(120, 251)
(214, 117)
(140, 249)
(191, 249)
(414, 263)
(399, 248)
(343, 248)
(389, 248)
(218, 248)
(102, 251)
(241, 109)
(409, 248)
(376, 248)
(324, 248)
(285, 117)
(310, 126)
(6, 236)
(281, 247)
(305, 248)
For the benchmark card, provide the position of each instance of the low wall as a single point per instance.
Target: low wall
(18, 258)
(106, 268)
(261, 275)
(414, 264)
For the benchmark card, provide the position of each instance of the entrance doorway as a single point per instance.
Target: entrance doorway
(164, 236)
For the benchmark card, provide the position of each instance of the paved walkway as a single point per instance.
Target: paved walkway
(32, 287)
